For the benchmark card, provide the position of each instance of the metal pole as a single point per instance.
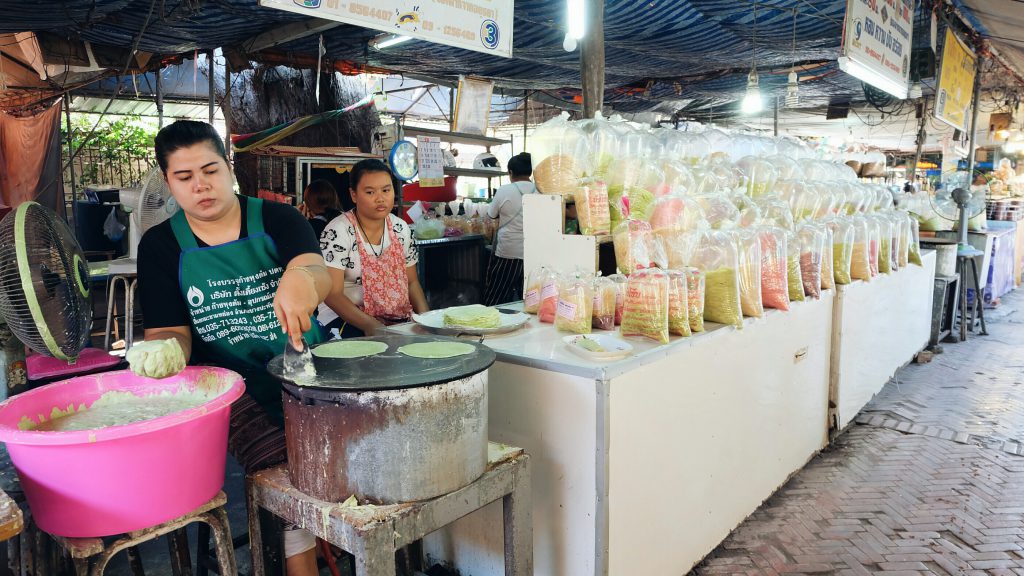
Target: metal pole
(922, 134)
(213, 85)
(159, 98)
(227, 107)
(973, 136)
(71, 147)
(592, 59)
(972, 140)
(526, 118)
(776, 118)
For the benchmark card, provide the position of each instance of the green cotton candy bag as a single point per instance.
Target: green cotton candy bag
(646, 309)
(794, 278)
(678, 304)
(695, 296)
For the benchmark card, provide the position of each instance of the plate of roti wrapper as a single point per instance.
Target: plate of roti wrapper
(475, 319)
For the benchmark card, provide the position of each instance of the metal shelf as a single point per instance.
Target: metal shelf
(454, 137)
(474, 173)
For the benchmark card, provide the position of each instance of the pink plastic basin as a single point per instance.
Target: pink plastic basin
(120, 478)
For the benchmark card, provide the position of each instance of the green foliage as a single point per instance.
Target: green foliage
(116, 140)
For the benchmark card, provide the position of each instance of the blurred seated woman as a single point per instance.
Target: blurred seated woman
(320, 205)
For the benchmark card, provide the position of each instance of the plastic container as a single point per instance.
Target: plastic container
(945, 260)
(90, 483)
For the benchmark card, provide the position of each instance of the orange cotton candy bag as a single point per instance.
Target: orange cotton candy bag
(774, 274)
(548, 297)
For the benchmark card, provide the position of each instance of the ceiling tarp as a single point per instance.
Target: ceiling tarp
(1002, 23)
(657, 51)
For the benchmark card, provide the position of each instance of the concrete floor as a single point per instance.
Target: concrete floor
(928, 480)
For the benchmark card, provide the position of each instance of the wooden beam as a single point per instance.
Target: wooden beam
(592, 59)
(281, 34)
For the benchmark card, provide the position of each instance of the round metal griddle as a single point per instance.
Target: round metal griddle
(389, 370)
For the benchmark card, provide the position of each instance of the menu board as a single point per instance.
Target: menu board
(431, 161)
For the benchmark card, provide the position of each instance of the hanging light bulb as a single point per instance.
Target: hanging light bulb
(792, 90)
(752, 103)
(915, 91)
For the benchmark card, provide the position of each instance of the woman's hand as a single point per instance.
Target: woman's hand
(303, 286)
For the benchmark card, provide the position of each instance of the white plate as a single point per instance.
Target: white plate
(614, 348)
(434, 321)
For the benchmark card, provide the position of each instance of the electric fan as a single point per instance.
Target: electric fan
(959, 205)
(149, 204)
(44, 283)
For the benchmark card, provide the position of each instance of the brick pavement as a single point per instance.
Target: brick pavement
(928, 480)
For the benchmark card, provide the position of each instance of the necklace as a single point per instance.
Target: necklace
(374, 252)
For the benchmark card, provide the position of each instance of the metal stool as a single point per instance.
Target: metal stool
(945, 303)
(374, 533)
(91, 555)
(130, 282)
(965, 256)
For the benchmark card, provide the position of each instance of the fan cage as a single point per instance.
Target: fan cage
(46, 303)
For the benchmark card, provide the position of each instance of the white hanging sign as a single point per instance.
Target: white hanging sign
(478, 25)
(877, 40)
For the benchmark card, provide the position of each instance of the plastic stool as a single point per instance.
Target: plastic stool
(91, 555)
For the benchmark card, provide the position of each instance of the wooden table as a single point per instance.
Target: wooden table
(374, 533)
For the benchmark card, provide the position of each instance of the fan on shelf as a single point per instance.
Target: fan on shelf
(959, 205)
(150, 204)
(44, 283)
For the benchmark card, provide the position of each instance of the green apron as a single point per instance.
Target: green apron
(229, 290)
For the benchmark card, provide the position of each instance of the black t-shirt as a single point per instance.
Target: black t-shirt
(320, 222)
(163, 305)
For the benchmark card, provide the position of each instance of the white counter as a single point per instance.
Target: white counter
(643, 466)
(878, 327)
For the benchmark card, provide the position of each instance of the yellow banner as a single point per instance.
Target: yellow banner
(956, 83)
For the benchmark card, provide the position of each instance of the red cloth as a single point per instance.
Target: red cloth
(30, 164)
(413, 192)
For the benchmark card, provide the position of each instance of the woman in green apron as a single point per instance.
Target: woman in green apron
(230, 278)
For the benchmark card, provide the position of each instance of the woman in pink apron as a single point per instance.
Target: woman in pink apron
(371, 256)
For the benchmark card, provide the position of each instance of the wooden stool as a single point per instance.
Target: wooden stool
(374, 533)
(91, 555)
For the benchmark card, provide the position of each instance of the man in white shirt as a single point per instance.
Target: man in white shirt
(505, 270)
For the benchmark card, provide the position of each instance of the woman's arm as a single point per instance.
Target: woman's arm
(304, 285)
(183, 334)
(416, 296)
(345, 308)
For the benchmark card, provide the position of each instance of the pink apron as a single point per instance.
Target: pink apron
(385, 282)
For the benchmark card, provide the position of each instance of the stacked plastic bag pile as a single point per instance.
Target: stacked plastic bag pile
(707, 226)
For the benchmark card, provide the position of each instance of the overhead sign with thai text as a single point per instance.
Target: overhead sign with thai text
(479, 25)
(956, 83)
(877, 40)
